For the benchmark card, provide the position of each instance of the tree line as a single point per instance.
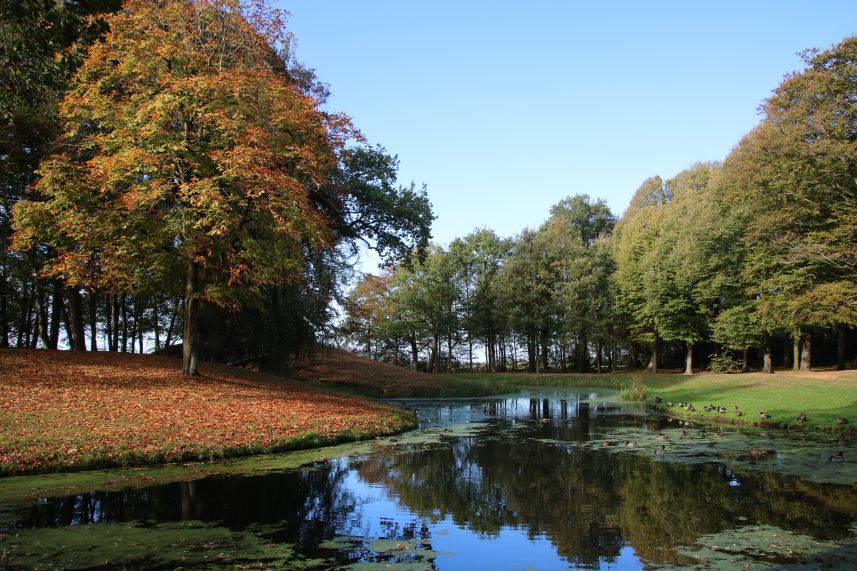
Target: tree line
(169, 172)
(750, 259)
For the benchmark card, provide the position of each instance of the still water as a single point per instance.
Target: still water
(543, 479)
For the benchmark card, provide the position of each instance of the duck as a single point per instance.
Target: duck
(690, 408)
(658, 399)
(841, 420)
(630, 444)
(838, 457)
(721, 410)
(606, 444)
(663, 437)
(738, 412)
(801, 417)
(669, 404)
(759, 452)
(764, 414)
(684, 433)
(706, 408)
(660, 450)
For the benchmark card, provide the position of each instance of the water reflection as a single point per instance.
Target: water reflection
(524, 483)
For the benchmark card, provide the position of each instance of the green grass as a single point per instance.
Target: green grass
(823, 396)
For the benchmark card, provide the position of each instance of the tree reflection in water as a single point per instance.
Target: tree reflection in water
(523, 469)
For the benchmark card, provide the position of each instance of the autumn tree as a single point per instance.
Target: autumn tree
(185, 151)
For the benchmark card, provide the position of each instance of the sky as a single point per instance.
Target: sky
(504, 108)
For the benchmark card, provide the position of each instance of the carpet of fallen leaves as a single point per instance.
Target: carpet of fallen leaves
(67, 411)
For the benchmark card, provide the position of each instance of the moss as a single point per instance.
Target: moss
(191, 544)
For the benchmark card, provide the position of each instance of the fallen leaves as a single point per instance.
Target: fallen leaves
(64, 410)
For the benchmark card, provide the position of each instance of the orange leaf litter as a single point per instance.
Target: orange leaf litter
(64, 411)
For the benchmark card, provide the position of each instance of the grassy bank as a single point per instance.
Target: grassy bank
(821, 395)
(67, 411)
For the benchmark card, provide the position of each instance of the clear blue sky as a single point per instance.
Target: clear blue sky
(503, 108)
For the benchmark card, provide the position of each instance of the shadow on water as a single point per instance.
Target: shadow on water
(543, 479)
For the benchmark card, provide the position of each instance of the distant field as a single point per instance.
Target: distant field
(69, 411)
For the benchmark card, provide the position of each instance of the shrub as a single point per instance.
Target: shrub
(723, 363)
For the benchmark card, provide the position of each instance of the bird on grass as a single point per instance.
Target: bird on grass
(670, 404)
(721, 410)
(738, 412)
(764, 415)
(658, 399)
(841, 420)
(801, 417)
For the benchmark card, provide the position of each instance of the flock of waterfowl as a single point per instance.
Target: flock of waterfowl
(688, 407)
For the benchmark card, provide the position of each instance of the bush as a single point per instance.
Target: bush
(636, 391)
(723, 363)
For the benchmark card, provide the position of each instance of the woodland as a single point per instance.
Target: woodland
(172, 181)
(746, 262)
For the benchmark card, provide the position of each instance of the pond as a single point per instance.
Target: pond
(543, 479)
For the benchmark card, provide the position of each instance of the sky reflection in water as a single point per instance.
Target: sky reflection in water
(544, 479)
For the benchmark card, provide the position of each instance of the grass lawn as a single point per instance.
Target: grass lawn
(70, 411)
(822, 395)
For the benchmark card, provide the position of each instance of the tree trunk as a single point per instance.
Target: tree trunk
(434, 358)
(688, 360)
(4, 308)
(414, 352)
(745, 367)
(190, 338)
(155, 324)
(653, 361)
(787, 354)
(583, 355)
(42, 313)
(75, 317)
(24, 316)
(56, 316)
(767, 363)
(470, 352)
(598, 358)
(449, 352)
(796, 351)
(124, 310)
(93, 322)
(139, 325)
(840, 348)
(174, 310)
(531, 352)
(133, 318)
(545, 353)
(806, 352)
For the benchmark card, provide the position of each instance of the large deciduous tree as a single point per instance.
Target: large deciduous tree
(186, 150)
